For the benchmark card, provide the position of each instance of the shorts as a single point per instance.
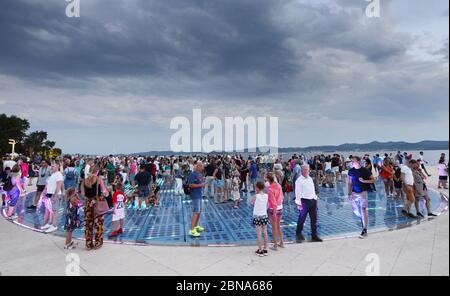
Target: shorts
(443, 178)
(197, 205)
(144, 192)
(260, 220)
(55, 201)
(335, 170)
(359, 201)
(278, 215)
(118, 215)
(13, 199)
(40, 188)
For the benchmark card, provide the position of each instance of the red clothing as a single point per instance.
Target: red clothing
(24, 169)
(387, 172)
(276, 196)
(118, 196)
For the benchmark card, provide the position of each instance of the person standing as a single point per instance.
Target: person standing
(44, 173)
(275, 211)
(143, 180)
(91, 189)
(423, 162)
(15, 192)
(306, 200)
(209, 188)
(359, 179)
(443, 174)
(54, 190)
(196, 182)
(408, 186)
(70, 176)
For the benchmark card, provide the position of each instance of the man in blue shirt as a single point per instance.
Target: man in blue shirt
(196, 182)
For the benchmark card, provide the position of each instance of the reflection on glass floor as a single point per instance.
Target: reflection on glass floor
(169, 223)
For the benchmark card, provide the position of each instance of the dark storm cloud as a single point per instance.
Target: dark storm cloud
(242, 43)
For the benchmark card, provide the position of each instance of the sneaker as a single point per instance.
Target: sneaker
(363, 234)
(51, 229)
(420, 215)
(259, 253)
(46, 226)
(281, 245)
(266, 253)
(199, 229)
(432, 215)
(70, 246)
(194, 233)
(300, 238)
(412, 216)
(316, 239)
(113, 234)
(13, 217)
(274, 247)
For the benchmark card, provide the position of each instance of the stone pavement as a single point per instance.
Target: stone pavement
(418, 250)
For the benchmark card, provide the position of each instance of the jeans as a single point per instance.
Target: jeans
(309, 207)
(209, 188)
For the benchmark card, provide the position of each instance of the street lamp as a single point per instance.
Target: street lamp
(13, 143)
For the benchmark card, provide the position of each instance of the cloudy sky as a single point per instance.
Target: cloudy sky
(112, 80)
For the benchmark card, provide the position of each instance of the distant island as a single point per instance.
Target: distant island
(369, 147)
(375, 146)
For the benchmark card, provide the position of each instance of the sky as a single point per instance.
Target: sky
(112, 80)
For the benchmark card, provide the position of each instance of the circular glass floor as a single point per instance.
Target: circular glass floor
(169, 223)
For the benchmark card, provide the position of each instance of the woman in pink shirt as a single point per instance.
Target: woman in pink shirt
(275, 212)
(133, 170)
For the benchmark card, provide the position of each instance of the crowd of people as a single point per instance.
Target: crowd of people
(108, 185)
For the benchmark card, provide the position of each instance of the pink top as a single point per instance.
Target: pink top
(133, 168)
(24, 169)
(275, 196)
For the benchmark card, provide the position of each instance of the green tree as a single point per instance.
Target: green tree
(12, 127)
(35, 142)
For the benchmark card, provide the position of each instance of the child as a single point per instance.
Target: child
(235, 192)
(73, 220)
(260, 218)
(443, 175)
(119, 201)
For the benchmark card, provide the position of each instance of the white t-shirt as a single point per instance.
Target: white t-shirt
(409, 178)
(87, 168)
(261, 202)
(52, 182)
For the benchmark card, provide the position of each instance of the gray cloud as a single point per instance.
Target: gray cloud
(134, 64)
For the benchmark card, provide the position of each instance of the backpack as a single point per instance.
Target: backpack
(186, 187)
(8, 186)
(70, 176)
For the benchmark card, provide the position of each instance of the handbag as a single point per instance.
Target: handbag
(101, 206)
